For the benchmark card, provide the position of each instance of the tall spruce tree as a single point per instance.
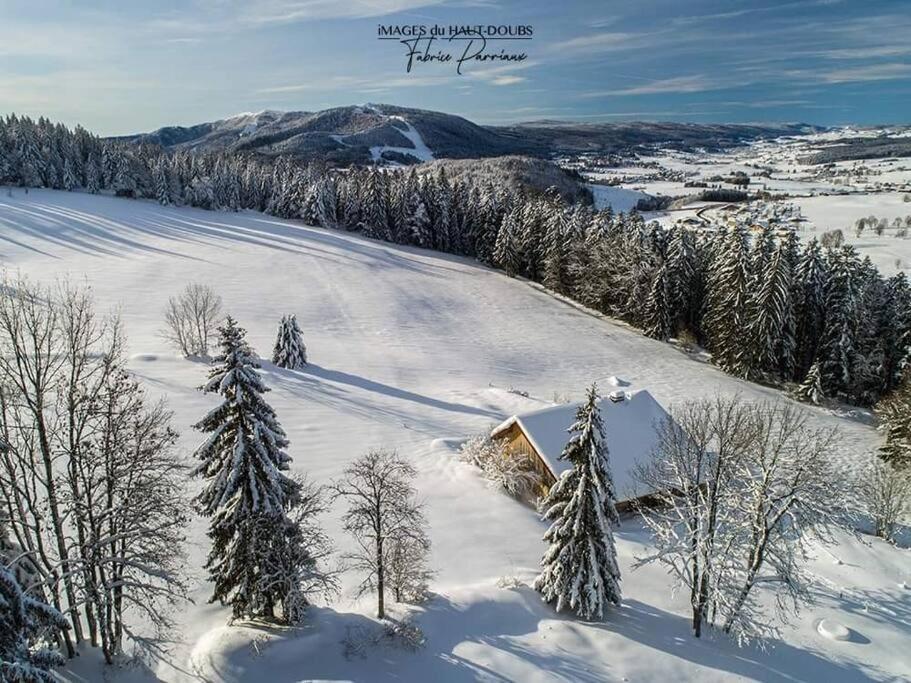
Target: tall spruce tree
(728, 300)
(810, 306)
(770, 316)
(838, 353)
(658, 319)
(579, 569)
(243, 462)
(506, 253)
(683, 300)
(290, 351)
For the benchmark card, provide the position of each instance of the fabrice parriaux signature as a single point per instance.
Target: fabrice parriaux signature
(456, 44)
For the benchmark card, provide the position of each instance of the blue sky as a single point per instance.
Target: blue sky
(120, 67)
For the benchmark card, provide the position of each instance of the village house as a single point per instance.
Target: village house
(632, 421)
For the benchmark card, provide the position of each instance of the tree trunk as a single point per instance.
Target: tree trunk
(380, 581)
(57, 521)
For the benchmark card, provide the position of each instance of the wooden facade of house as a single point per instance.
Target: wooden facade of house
(631, 422)
(517, 443)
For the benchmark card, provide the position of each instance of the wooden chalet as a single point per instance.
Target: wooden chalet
(631, 423)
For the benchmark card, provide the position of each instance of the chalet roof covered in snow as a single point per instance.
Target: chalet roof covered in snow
(630, 429)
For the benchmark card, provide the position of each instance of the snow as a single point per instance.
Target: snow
(619, 199)
(888, 252)
(833, 630)
(415, 350)
(418, 147)
(630, 432)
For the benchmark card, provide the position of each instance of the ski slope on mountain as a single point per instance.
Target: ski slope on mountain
(415, 351)
(418, 149)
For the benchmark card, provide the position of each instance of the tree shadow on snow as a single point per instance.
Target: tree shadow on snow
(352, 394)
(670, 633)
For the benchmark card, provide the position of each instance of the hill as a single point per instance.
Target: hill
(414, 350)
(372, 132)
(514, 172)
(343, 135)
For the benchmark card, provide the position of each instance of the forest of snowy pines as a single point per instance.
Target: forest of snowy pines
(766, 306)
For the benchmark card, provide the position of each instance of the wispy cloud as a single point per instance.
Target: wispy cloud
(286, 11)
(507, 80)
(857, 74)
(678, 84)
(606, 41)
(745, 11)
(873, 52)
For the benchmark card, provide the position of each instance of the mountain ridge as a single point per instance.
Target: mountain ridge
(385, 133)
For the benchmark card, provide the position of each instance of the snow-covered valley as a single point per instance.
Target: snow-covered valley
(414, 350)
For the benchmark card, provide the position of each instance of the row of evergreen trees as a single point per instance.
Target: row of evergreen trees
(767, 307)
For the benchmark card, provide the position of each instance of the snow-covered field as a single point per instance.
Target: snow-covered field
(829, 196)
(415, 350)
(618, 198)
(888, 252)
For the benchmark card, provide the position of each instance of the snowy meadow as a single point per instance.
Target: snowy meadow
(414, 351)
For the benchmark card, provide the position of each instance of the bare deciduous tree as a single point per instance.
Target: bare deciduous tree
(126, 497)
(741, 489)
(408, 572)
(887, 491)
(33, 365)
(294, 570)
(832, 239)
(690, 472)
(89, 489)
(383, 516)
(788, 491)
(192, 318)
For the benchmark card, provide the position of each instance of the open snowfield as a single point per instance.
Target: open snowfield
(888, 252)
(415, 351)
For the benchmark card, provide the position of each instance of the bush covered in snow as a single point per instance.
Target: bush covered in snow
(399, 633)
(513, 472)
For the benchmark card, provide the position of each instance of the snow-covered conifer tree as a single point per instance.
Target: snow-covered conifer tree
(243, 462)
(894, 414)
(290, 351)
(26, 626)
(684, 303)
(162, 187)
(839, 352)
(506, 254)
(770, 316)
(92, 175)
(418, 223)
(810, 390)
(728, 296)
(556, 252)
(657, 307)
(580, 568)
(374, 216)
(810, 303)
